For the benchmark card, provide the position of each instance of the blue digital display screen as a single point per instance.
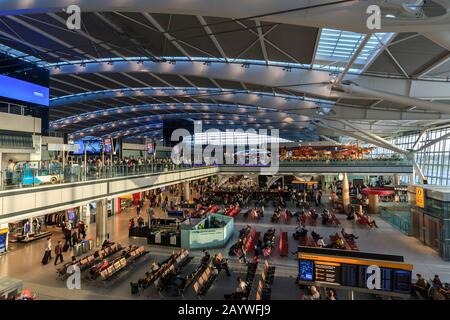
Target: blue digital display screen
(23, 91)
(306, 270)
(92, 147)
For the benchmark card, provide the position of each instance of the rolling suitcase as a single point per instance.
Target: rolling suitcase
(46, 257)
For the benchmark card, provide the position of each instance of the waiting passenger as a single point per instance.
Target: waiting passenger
(372, 223)
(206, 257)
(331, 294)
(349, 236)
(155, 266)
(315, 295)
(220, 263)
(421, 285)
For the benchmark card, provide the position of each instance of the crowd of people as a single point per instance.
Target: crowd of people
(433, 289)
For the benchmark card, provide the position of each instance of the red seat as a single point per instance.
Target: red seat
(284, 248)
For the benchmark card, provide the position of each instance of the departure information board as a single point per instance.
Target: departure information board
(317, 265)
(327, 272)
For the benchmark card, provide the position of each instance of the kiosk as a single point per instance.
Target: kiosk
(214, 231)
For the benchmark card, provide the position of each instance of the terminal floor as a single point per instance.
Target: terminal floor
(23, 261)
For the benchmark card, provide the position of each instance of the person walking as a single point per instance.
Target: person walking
(58, 252)
(48, 247)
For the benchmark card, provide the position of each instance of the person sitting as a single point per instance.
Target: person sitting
(421, 285)
(276, 216)
(314, 293)
(331, 294)
(321, 243)
(325, 217)
(106, 243)
(242, 288)
(437, 282)
(315, 236)
(313, 214)
(349, 236)
(155, 266)
(220, 263)
(206, 257)
(371, 222)
(339, 244)
(300, 231)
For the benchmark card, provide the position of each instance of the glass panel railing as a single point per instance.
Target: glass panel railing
(33, 177)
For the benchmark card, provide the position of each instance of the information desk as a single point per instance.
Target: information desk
(349, 270)
(211, 232)
(165, 232)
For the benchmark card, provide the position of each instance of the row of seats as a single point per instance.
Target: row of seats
(165, 269)
(205, 280)
(264, 289)
(252, 240)
(233, 212)
(120, 263)
(89, 260)
(109, 268)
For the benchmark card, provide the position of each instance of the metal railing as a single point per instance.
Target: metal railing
(33, 177)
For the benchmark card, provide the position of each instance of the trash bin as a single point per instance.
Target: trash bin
(77, 249)
(84, 246)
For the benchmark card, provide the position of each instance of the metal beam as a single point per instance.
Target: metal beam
(212, 37)
(429, 144)
(374, 137)
(434, 65)
(353, 58)
(174, 42)
(261, 40)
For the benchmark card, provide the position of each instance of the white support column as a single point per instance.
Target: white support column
(417, 171)
(187, 191)
(345, 194)
(419, 138)
(101, 216)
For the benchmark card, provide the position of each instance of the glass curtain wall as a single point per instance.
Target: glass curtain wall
(433, 160)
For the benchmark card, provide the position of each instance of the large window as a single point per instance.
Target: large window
(233, 138)
(433, 160)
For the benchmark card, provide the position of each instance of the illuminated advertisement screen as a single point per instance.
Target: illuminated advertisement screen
(306, 270)
(92, 147)
(107, 145)
(23, 91)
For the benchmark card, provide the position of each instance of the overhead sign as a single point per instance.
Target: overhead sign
(420, 197)
(354, 269)
(23, 91)
(3, 239)
(62, 147)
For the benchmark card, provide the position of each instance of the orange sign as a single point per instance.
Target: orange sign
(420, 197)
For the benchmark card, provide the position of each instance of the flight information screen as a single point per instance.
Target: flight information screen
(350, 270)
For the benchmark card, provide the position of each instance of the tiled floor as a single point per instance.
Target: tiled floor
(23, 261)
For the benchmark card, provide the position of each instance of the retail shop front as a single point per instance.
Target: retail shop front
(430, 217)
